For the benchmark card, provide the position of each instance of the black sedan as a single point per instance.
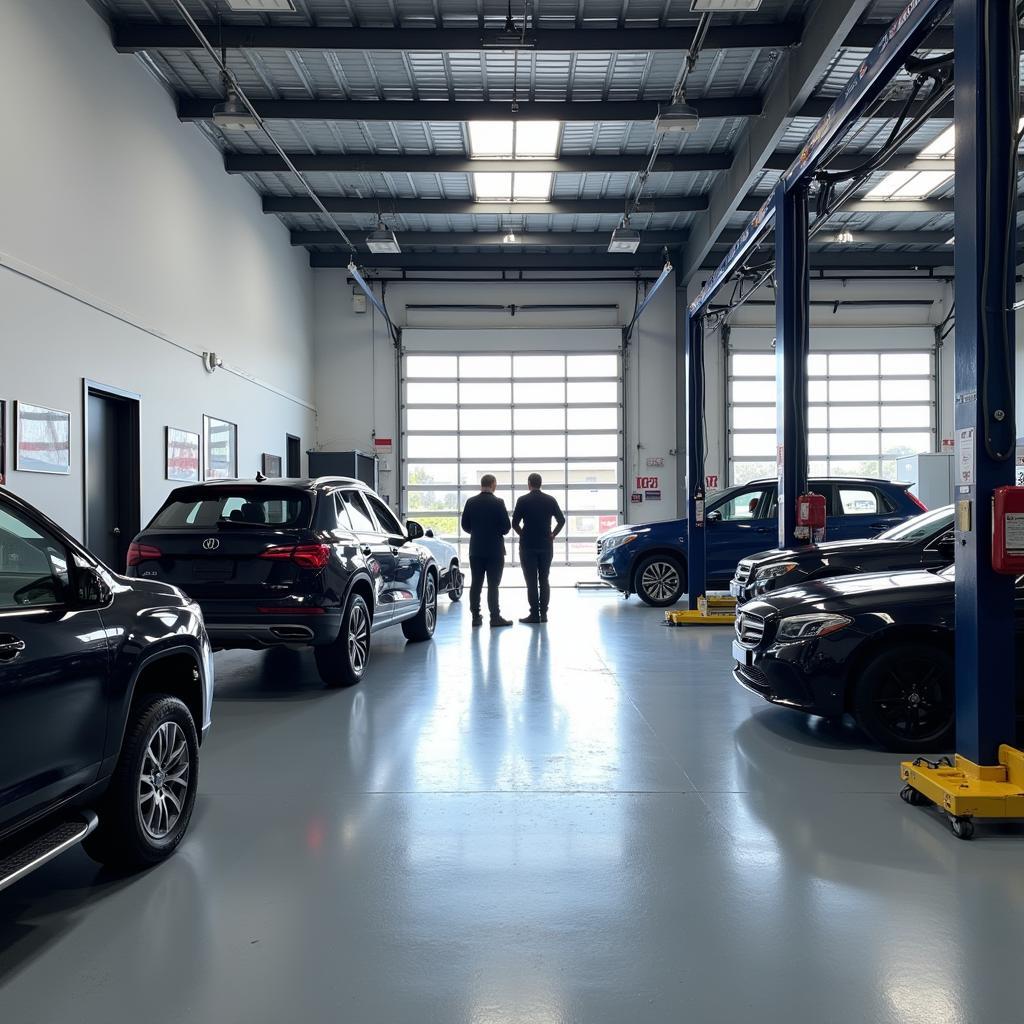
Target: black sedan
(321, 563)
(926, 541)
(877, 646)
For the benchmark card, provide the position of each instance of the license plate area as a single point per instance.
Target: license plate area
(213, 570)
(740, 653)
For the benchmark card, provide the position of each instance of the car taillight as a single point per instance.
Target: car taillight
(305, 556)
(917, 501)
(142, 553)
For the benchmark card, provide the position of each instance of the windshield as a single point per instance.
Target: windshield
(205, 509)
(921, 527)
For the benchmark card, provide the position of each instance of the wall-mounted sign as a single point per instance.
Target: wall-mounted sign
(655, 461)
(652, 495)
(635, 498)
(948, 444)
(965, 459)
(647, 483)
(711, 481)
(382, 445)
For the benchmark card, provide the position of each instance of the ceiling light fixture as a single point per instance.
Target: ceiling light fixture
(677, 116)
(844, 237)
(624, 238)
(511, 37)
(232, 112)
(700, 6)
(510, 239)
(382, 240)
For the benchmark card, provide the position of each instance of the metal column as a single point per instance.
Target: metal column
(984, 34)
(792, 342)
(695, 446)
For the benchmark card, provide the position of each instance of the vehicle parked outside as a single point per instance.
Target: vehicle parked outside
(447, 557)
(321, 563)
(924, 542)
(106, 685)
(878, 646)
(650, 560)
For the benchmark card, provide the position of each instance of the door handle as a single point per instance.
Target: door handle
(10, 647)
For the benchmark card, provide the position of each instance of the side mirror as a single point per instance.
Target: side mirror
(91, 590)
(947, 548)
(714, 517)
(429, 533)
(413, 530)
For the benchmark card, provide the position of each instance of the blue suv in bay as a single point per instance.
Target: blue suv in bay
(650, 559)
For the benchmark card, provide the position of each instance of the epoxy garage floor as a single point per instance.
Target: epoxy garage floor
(585, 822)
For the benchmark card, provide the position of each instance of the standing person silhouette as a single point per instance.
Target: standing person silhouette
(531, 520)
(485, 519)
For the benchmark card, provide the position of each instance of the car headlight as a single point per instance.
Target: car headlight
(810, 627)
(773, 572)
(616, 542)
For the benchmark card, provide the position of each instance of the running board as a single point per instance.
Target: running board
(35, 853)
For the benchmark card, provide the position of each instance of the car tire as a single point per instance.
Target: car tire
(455, 593)
(903, 698)
(146, 810)
(421, 626)
(659, 580)
(343, 663)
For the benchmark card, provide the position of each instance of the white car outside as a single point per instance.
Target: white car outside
(447, 558)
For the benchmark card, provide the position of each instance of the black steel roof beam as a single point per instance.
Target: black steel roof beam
(192, 109)
(134, 36)
(342, 204)
(359, 163)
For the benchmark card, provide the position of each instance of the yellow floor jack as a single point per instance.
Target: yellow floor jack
(964, 790)
(711, 610)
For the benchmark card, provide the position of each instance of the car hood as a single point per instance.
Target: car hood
(669, 525)
(836, 549)
(860, 592)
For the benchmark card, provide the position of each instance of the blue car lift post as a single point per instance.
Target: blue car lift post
(987, 779)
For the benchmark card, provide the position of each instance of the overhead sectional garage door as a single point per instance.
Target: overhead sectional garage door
(512, 413)
(865, 409)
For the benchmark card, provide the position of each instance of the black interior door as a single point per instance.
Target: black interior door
(111, 476)
(293, 456)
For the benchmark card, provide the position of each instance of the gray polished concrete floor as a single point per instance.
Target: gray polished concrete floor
(584, 822)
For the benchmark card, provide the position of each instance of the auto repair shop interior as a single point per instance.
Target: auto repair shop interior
(298, 298)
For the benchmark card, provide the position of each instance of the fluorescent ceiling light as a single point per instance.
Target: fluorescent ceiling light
(382, 240)
(624, 239)
(492, 185)
(490, 138)
(724, 5)
(510, 239)
(262, 5)
(537, 138)
(844, 237)
(522, 139)
(531, 185)
(950, 240)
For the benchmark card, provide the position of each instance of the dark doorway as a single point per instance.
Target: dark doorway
(293, 455)
(111, 472)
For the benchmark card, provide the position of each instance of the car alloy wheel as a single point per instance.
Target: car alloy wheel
(358, 638)
(164, 779)
(660, 581)
(912, 701)
(430, 604)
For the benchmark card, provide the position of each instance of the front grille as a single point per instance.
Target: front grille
(753, 677)
(749, 629)
(743, 571)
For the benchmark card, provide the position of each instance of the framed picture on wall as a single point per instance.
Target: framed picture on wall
(42, 439)
(271, 465)
(221, 449)
(181, 455)
(3, 442)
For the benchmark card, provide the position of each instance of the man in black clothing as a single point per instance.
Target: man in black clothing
(531, 519)
(485, 519)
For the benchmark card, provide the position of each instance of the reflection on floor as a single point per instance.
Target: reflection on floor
(586, 822)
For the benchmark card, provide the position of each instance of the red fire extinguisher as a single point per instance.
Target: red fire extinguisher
(810, 517)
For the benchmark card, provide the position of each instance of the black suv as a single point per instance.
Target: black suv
(105, 691)
(924, 542)
(321, 563)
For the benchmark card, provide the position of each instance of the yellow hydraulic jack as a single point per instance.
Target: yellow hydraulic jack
(965, 790)
(711, 610)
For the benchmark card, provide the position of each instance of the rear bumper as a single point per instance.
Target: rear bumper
(250, 629)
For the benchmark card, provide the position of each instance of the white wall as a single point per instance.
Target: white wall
(119, 233)
(354, 348)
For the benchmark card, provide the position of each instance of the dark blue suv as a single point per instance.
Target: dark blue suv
(650, 560)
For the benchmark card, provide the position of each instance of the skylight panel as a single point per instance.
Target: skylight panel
(492, 186)
(490, 138)
(889, 184)
(537, 138)
(531, 185)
